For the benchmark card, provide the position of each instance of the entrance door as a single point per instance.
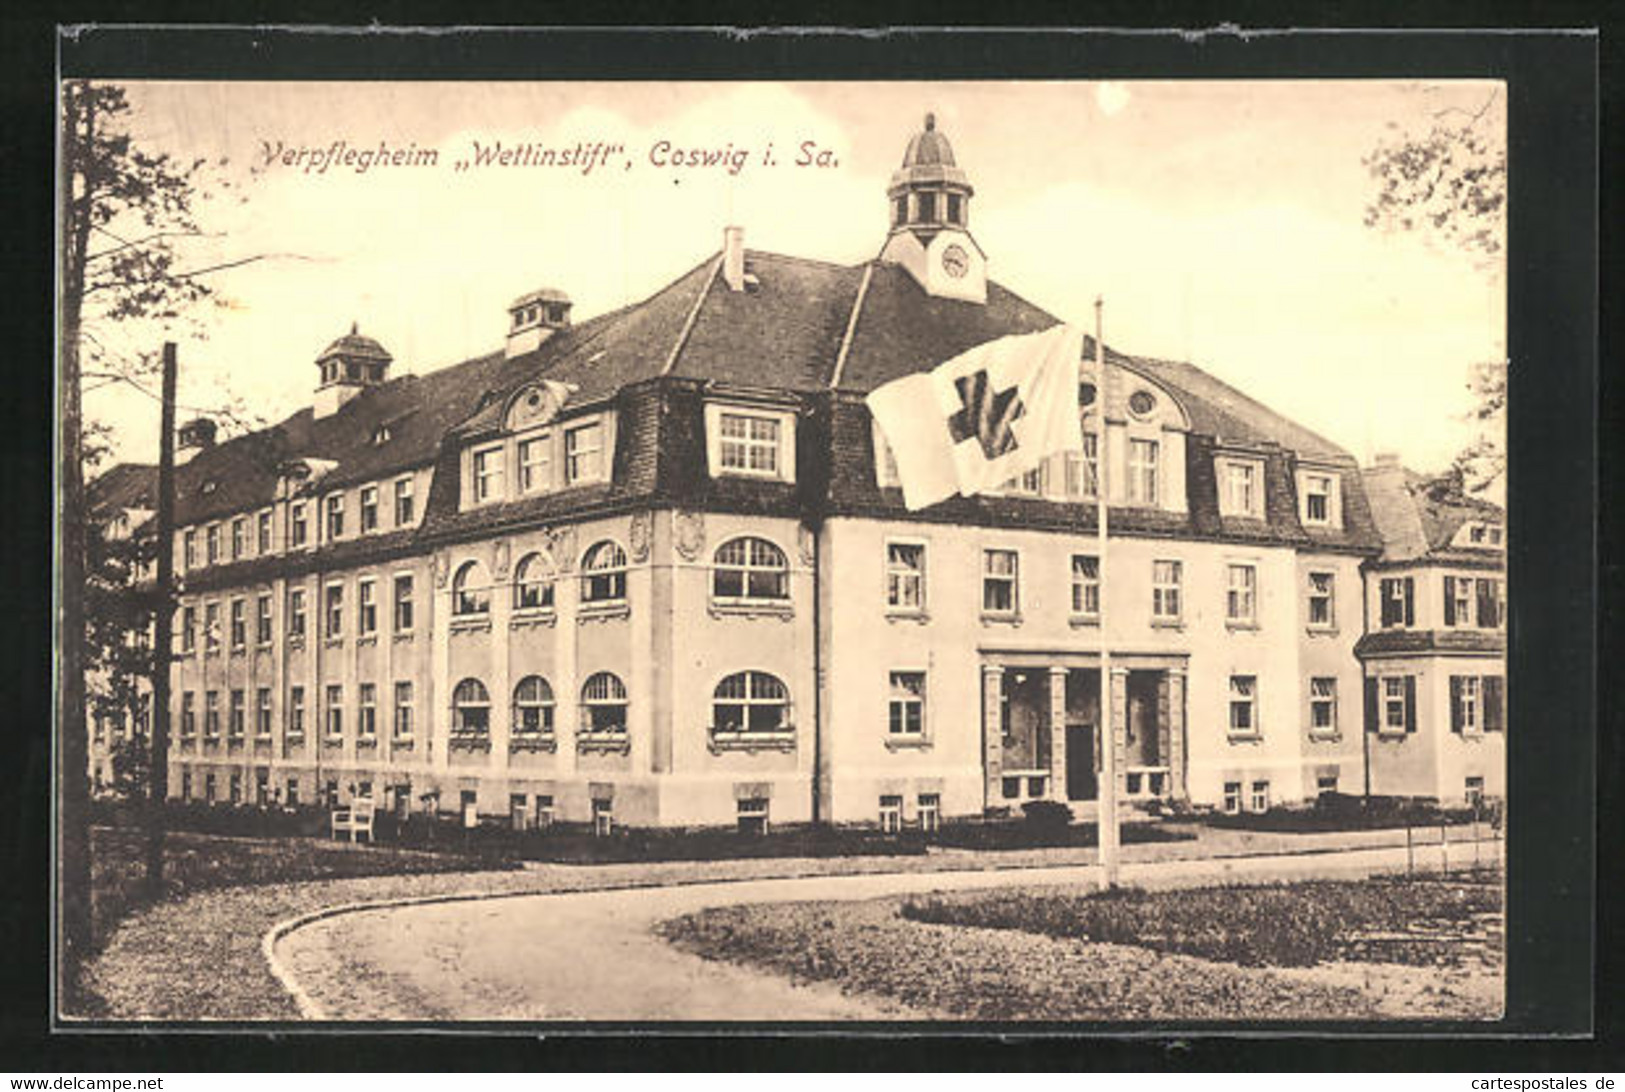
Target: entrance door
(1080, 763)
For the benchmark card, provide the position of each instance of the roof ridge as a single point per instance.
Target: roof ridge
(1243, 396)
(800, 260)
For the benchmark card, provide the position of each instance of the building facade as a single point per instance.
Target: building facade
(654, 568)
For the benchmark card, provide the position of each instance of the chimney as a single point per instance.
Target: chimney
(194, 436)
(733, 258)
(535, 317)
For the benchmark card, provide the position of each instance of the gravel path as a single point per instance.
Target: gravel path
(597, 956)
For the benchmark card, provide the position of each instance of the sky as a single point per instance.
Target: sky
(1220, 221)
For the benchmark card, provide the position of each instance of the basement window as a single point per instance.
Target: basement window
(753, 816)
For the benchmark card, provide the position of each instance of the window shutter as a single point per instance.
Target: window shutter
(1455, 703)
(1449, 600)
(1371, 722)
(1410, 601)
(1410, 692)
(1486, 604)
(1494, 703)
(1385, 590)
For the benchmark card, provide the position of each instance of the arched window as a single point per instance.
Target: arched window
(533, 583)
(603, 574)
(750, 701)
(603, 704)
(533, 706)
(471, 708)
(750, 569)
(470, 590)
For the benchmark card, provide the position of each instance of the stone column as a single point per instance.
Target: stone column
(1175, 686)
(992, 733)
(1118, 727)
(1057, 734)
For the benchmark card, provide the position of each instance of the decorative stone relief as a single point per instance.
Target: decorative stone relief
(806, 544)
(690, 534)
(641, 535)
(561, 547)
(500, 555)
(442, 568)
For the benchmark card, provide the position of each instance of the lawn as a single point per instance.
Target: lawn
(1318, 950)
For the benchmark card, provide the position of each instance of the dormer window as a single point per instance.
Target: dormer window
(380, 436)
(206, 488)
(750, 442)
(1319, 499)
(488, 475)
(1241, 488)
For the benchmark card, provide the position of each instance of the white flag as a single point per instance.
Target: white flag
(983, 417)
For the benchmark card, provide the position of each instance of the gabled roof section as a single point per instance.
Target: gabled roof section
(124, 485)
(1231, 417)
(1419, 515)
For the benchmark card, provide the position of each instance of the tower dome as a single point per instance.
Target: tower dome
(350, 363)
(928, 147)
(929, 191)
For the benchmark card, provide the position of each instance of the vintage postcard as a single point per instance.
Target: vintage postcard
(904, 552)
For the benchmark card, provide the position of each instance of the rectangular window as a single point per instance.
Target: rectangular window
(488, 475)
(1166, 577)
(1322, 600)
(1466, 710)
(1318, 493)
(583, 454)
(238, 724)
(403, 710)
(239, 537)
(335, 610)
(1083, 469)
(296, 712)
(1244, 705)
(603, 818)
(186, 784)
(1326, 783)
(236, 787)
(930, 811)
(211, 714)
(211, 627)
(1491, 601)
(1261, 796)
(1242, 496)
(1323, 705)
(1085, 585)
(905, 576)
(1458, 600)
(188, 715)
(367, 724)
(264, 533)
(403, 502)
(906, 710)
(239, 624)
(1027, 484)
(189, 548)
(1473, 790)
(298, 526)
(752, 816)
(335, 712)
(291, 795)
(1142, 471)
(296, 612)
(891, 814)
(536, 464)
(1241, 598)
(749, 443)
(1000, 582)
(188, 629)
(369, 508)
(403, 603)
(209, 787)
(335, 516)
(262, 712)
(1397, 601)
(1232, 797)
(1396, 703)
(366, 607)
(212, 535)
(262, 620)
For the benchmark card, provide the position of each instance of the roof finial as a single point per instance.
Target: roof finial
(355, 327)
(930, 121)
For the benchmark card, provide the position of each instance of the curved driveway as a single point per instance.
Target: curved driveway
(594, 955)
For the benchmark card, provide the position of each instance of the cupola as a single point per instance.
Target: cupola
(929, 199)
(347, 366)
(535, 317)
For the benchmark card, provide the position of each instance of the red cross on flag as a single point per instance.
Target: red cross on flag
(987, 415)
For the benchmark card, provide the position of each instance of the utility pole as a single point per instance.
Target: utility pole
(1106, 822)
(163, 614)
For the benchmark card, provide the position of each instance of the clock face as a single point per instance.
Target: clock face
(955, 262)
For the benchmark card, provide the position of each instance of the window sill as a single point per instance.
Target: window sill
(405, 638)
(1393, 733)
(368, 742)
(531, 617)
(908, 743)
(468, 742)
(333, 743)
(262, 741)
(402, 743)
(264, 646)
(1001, 619)
(294, 742)
(751, 741)
(1168, 623)
(333, 642)
(752, 475)
(211, 743)
(603, 612)
(239, 652)
(234, 745)
(366, 640)
(1080, 621)
(1244, 737)
(899, 614)
(1321, 631)
(783, 611)
(296, 641)
(1241, 627)
(470, 623)
(603, 743)
(521, 742)
(1323, 736)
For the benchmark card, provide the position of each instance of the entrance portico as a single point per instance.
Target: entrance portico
(1041, 727)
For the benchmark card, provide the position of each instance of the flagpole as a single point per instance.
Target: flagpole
(1106, 805)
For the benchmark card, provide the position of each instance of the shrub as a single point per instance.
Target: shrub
(1046, 815)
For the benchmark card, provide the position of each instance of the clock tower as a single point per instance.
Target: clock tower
(930, 213)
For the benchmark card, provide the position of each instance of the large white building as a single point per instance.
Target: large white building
(654, 568)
